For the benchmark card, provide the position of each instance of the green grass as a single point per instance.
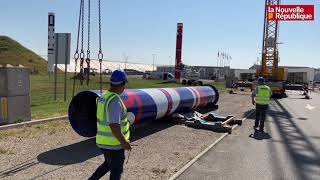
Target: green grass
(42, 99)
(35, 130)
(221, 86)
(42, 89)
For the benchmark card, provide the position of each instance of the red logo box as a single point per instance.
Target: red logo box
(290, 12)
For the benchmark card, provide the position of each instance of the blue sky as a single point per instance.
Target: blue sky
(139, 28)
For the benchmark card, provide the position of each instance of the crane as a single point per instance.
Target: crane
(274, 75)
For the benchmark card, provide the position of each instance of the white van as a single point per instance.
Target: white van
(316, 84)
(161, 76)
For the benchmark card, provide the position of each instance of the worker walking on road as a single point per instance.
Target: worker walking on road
(112, 128)
(261, 98)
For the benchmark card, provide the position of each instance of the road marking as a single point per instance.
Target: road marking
(308, 106)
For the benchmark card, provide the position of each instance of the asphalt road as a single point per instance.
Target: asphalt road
(289, 148)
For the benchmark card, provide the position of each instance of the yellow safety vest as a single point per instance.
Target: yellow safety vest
(105, 138)
(263, 95)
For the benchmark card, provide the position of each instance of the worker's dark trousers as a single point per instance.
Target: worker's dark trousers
(260, 115)
(114, 160)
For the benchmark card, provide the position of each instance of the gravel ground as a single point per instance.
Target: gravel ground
(54, 151)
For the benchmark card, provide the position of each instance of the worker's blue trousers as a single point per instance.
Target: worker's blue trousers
(114, 160)
(261, 111)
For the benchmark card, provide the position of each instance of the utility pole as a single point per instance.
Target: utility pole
(218, 59)
(125, 63)
(153, 61)
(170, 63)
(125, 59)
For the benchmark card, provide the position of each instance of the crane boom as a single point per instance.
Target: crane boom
(270, 57)
(269, 69)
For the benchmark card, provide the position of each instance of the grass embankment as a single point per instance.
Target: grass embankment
(12, 52)
(42, 88)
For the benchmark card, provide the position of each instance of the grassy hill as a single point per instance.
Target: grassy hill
(12, 52)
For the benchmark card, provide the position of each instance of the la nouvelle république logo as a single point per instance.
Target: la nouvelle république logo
(290, 12)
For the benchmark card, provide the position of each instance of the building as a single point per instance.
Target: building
(298, 75)
(206, 72)
(317, 74)
(245, 74)
(295, 75)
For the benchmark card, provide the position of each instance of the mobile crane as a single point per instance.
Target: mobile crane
(269, 69)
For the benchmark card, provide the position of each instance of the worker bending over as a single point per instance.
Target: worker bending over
(261, 98)
(112, 128)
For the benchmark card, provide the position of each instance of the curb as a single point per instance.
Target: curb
(32, 122)
(184, 168)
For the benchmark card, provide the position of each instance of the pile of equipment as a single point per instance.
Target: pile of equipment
(208, 121)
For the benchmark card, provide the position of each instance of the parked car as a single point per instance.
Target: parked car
(91, 72)
(316, 84)
(106, 72)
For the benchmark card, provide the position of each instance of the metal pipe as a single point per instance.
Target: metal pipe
(142, 105)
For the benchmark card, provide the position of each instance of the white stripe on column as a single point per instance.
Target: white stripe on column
(194, 96)
(197, 96)
(175, 98)
(160, 99)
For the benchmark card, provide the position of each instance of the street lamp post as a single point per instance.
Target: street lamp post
(125, 63)
(170, 64)
(153, 61)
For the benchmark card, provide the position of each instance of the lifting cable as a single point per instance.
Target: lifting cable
(88, 49)
(100, 54)
(80, 40)
(76, 54)
(82, 51)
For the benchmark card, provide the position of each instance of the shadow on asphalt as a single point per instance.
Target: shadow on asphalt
(87, 149)
(314, 137)
(300, 98)
(260, 135)
(248, 112)
(304, 155)
(84, 150)
(81, 151)
(70, 154)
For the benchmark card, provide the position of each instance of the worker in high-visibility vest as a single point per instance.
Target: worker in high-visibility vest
(112, 128)
(261, 98)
